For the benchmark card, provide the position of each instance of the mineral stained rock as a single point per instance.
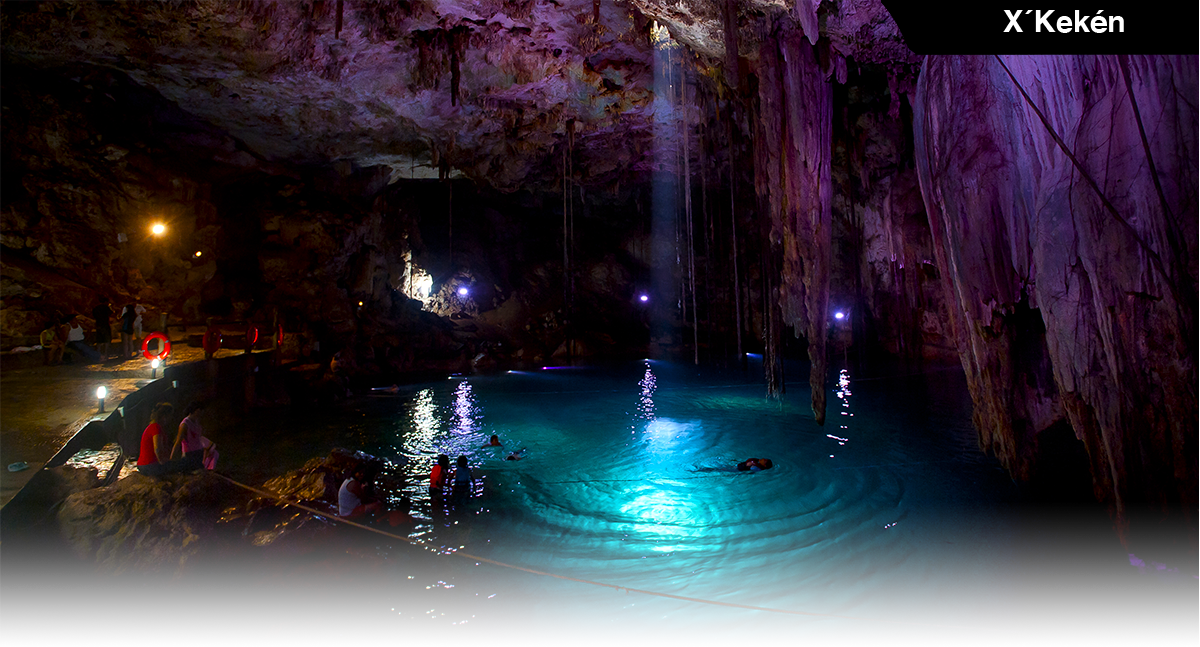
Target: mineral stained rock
(1062, 198)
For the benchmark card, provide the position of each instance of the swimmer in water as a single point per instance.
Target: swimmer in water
(494, 442)
(517, 455)
(755, 465)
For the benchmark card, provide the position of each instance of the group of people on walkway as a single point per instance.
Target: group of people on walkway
(189, 451)
(64, 333)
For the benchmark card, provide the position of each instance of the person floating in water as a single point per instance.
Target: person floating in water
(517, 455)
(755, 465)
(494, 441)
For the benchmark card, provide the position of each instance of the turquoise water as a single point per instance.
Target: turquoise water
(887, 513)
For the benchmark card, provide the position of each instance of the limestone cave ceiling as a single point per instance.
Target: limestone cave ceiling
(484, 89)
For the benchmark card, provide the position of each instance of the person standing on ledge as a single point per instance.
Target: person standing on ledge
(102, 313)
(212, 339)
(127, 317)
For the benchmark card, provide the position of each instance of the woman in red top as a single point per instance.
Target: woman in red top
(155, 450)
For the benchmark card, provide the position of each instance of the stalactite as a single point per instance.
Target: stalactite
(566, 194)
(807, 214)
(687, 208)
(737, 282)
(730, 24)
(453, 39)
(768, 182)
(794, 147)
(1050, 231)
(337, 24)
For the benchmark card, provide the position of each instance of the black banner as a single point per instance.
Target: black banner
(1030, 27)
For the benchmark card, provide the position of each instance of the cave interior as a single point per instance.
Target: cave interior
(478, 185)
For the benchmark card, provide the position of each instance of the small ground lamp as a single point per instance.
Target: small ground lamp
(154, 363)
(100, 393)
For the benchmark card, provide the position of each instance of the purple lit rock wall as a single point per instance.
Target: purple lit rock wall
(1100, 251)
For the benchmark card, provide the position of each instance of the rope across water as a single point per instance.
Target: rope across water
(524, 569)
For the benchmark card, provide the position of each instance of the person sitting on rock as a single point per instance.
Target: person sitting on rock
(190, 441)
(75, 341)
(52, 346)
(352, 499)
(154, 454)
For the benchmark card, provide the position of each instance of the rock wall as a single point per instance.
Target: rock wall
(1062, 197)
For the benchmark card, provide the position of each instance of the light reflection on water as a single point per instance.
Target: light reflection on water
(630, 481)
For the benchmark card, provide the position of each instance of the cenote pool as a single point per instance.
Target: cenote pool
(627, 517)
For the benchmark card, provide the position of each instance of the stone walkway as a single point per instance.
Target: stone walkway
(42, 407)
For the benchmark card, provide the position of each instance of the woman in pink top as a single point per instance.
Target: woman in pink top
(190, 439)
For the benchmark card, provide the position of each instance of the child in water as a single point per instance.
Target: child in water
(517, 455)
(439, 475)
(464, 484)
(494, 441)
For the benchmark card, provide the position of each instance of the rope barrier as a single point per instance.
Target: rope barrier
(615, 587)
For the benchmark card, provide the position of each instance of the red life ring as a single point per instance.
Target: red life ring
(166, 346)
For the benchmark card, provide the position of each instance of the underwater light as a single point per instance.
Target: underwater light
(644, 298)
(839, 315)
(462, 292)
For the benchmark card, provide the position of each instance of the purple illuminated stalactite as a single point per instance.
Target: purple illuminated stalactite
(1077, 217)
(793, 151)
